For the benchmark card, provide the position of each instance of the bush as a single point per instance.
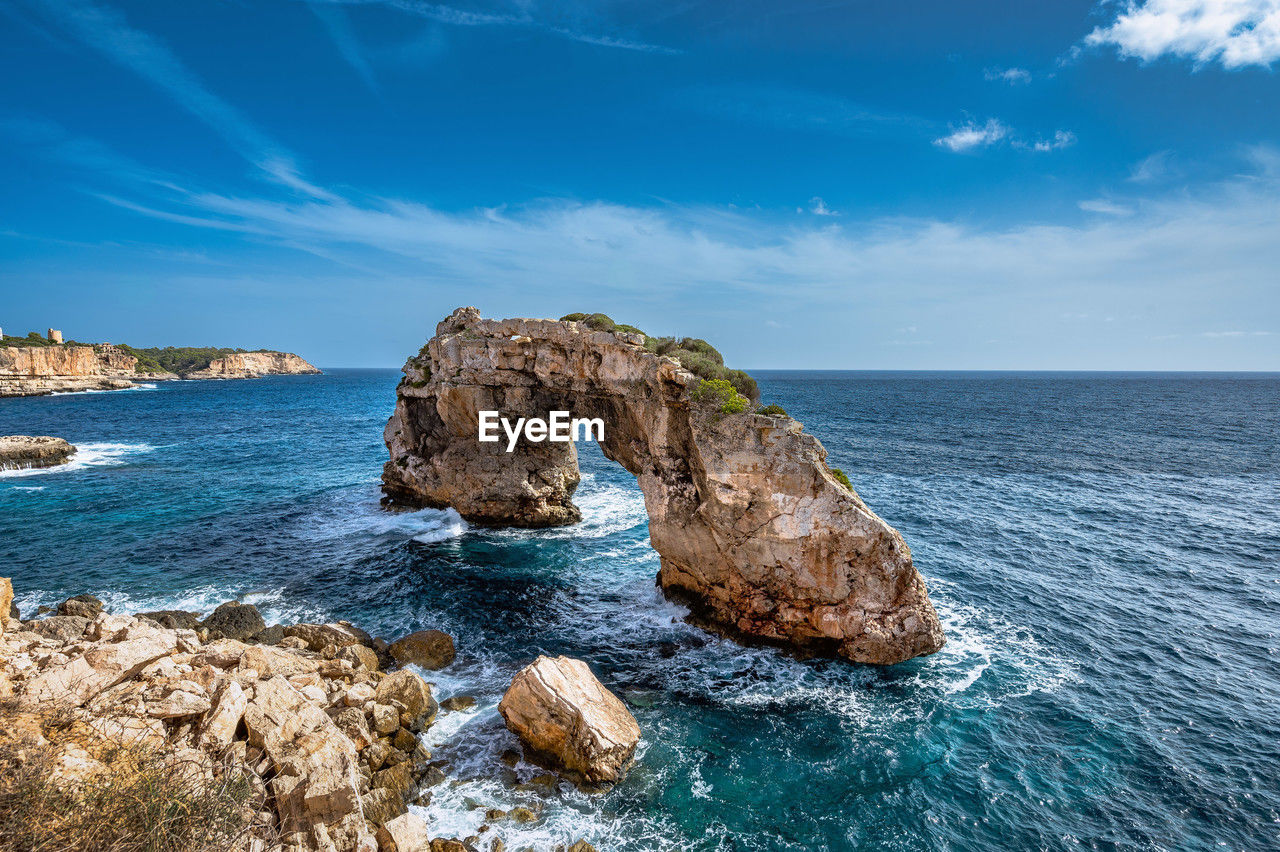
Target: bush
(143, 802)
(773, 411)
(841, 478)
(721, 395)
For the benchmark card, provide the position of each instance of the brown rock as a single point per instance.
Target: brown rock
(381, 805)
(753, 529)
(360, 657)
(220, 725)
(64, 628)
(431, 649)
(351, 721)
(405, 833)
(19, 452)
(413, 694)
(458, 702)
(561, 712)
(340, 634)
(6, 602)
(84, 606)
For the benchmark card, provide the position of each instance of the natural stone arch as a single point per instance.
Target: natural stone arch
(753, 531)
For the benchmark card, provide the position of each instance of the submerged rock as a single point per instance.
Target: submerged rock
(755, 532)
(431, 649)
(18, 452)
(234, 620)
(558, 708)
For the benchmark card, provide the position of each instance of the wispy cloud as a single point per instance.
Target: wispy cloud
(818, 207)
(107, 31)
(1235, 334)
(1151, 168)
(796, 109)
(1012, 76)
(1060, 139)
(334, 19)
(1105, 207)
(970, 136)
(458, 17)
(1235, 33)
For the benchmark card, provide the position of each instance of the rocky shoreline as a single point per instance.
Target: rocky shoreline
(288, 737)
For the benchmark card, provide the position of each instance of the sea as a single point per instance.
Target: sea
(1103, 550)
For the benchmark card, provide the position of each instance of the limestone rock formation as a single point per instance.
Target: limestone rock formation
(558, 708)
(6, 602)
(252, 365)
(296, 724)
(41, 370)
(19, 452)
(753, 530)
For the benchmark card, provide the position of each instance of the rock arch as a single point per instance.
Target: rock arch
(753, 531)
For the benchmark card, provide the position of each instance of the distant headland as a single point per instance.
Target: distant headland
(36, 365)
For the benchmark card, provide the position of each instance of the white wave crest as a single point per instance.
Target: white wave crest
(86, 456)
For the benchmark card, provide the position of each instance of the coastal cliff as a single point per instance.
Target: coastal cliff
(252, 365)
(755, 532)
(40, 370)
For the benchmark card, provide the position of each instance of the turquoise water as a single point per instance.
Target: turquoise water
(1103, 551)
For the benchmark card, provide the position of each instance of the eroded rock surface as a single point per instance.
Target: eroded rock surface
(558, 708)
(18, 452)
(40, 370)
(752, 528)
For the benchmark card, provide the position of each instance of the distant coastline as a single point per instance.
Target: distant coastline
(37, 365)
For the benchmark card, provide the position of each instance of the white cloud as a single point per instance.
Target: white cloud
(1151, 168)
(1106, 207)
(334, 19)
(972, 135)
(107, 31)
(1236, 33)
(1012, 76)
(818, 207)
(1061, 139)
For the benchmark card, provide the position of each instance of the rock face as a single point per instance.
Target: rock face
(41, 370)
(753, 530)
(560, 711)
(18, 452)
(252, 365)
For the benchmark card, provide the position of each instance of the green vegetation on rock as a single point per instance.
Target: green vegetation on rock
(721, 395)
(773, 411)
(179, 359)
(841, 478)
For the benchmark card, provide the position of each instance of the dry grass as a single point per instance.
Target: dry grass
(143, 800)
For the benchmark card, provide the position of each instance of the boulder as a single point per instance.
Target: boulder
(6, 603)
(431, 649)
(234, 620)
(558, 708)
(173, 619)
(222, 721)
(405, 833)
(360, 657)
(340, 634)
(413, 694)
(84, 606)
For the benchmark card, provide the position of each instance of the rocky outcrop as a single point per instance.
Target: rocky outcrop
(561, 712)
(431, 649)
(331, 747)
(19, 452)
(42, 370)
(253, 365)
(753, 529)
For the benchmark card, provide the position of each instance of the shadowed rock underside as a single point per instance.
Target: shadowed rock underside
(753, 531)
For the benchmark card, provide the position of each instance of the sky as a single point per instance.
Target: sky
(858, 185)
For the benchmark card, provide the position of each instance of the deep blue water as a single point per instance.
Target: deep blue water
(1104, 551)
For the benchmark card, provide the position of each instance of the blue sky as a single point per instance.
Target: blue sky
(1066, 185)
